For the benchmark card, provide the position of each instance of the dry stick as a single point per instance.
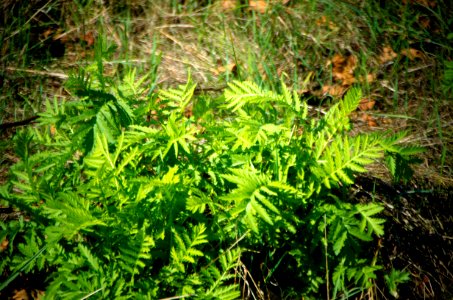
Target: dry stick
(89, 22)
(8, 125)
(253, 281)
(38, 72)
(229, 248)
(176, 297)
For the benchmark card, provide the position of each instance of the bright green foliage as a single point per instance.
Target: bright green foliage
(448, 73)
(128, 196)
(393, 279)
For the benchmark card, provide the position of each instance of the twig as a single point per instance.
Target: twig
(8, 125)
(176, 297)
(410, 70)
(38, 72)
(229, 248)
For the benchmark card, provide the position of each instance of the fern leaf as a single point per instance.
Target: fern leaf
(351, 101)
(242, 93)
(179, 98)
(218, 278)
(338, 277)
(255, 207)
(198, 235)
(93, 261)
(198, 201)
(177, 135)
(344, 156)
(250, 197)
(184, 249)
(373, 225)
(72, 215)
(136, 251)
(290, 98)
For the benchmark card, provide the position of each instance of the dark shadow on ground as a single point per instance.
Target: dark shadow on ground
(419, 235)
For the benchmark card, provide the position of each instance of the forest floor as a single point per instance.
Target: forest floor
(396, 51)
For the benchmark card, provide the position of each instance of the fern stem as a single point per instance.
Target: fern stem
(177, 297)
(327, 263)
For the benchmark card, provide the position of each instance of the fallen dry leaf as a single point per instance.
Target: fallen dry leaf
(323, 21)
(343, 68)
(387, 55)
(369, 78)
(52, 130)
(366, 104)
(231, 67)
(369, 120)
(424, 22)
(37, 294)
(258, 5)
(412, 53)
(20, 295)
(88, 38)
(47, 33)
(229, 4)
(4, 245)
(334, 90)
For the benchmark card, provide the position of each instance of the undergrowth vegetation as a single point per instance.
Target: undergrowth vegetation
(218, 149)
(128, 194)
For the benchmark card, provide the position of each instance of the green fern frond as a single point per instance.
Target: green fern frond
(72, 215)
(179, 98)
(28, 250)
(363, 274)
(244, 93)
(247, 133)
(136, 252)
(91, 259)
(251, 197)
(141, 135)
(369, 223)
(344, 156)
(350, 101)
(101, 109)
(99, 157)
(217, 278)
(54, 114)
(178, 135)
(339, 277)
(198, 201)
(130, 86)
(292, 99)
(336, 120)
(184, 249)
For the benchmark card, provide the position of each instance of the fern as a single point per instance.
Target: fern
(177, 136)
(244, 93)
(136, 252)
(370, 224)
(179, 98)
(184, 249)
(130, 197)
(71, 214)
(217, 278)
(345, 156)
(251, 197)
